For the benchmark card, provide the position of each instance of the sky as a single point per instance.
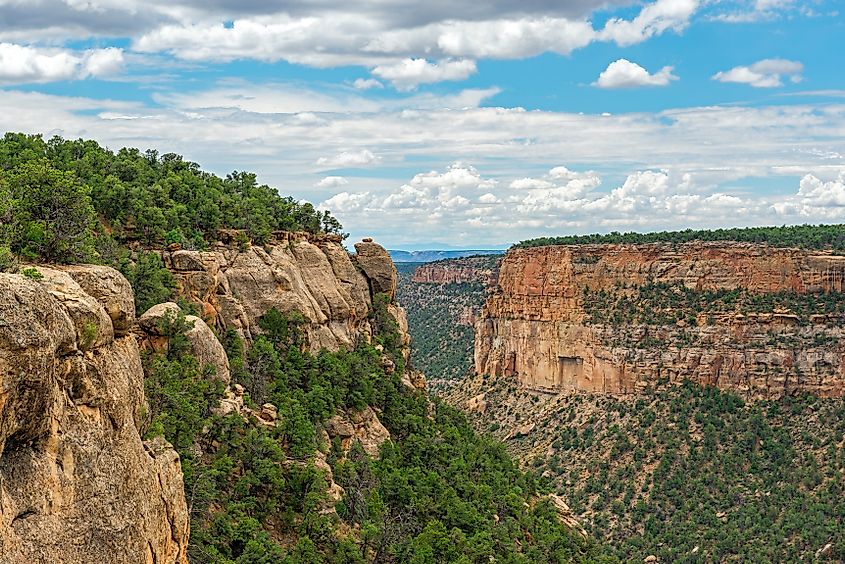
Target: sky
(460, 124)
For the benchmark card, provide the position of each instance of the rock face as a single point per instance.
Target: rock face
(77, 483)
(361, 426)
(378, 267)
(534, 326)
(483, 269)
(296, 272)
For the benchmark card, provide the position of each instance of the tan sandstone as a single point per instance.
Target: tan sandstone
(533, 326)
(77, 483)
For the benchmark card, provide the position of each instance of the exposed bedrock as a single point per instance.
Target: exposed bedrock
(534, 326)
(296, 272)
(77, 483)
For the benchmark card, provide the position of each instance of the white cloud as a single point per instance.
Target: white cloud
(331, 182)
(25, 64)
(625, 74)
(363, 157)
(663, 170)
(654, 19)
(408, 50)
(816, 198)
(367, 83)
(767, 73)
(409, 73)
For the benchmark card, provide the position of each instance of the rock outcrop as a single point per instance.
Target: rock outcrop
(77, 483)
(204, 344)
(481, 269)
(378, 267)
(313, 275)
(361, 426)
(534, 326)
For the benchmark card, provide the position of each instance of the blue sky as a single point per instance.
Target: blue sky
(460, 124)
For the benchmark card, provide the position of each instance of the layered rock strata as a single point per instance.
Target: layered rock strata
(534, 326)
(77, 483)
(484, 270)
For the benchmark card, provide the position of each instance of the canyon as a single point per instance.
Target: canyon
(535, 326)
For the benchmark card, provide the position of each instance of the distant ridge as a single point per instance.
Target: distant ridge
(431, 256)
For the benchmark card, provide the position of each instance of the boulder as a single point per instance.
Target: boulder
(93, 324)
(111, 289)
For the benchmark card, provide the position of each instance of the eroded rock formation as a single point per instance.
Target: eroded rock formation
(77, 483)
(534, 326)
(296, 272)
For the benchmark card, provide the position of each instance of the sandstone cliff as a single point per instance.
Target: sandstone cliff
(77, 483)
(296, 272)
(535, 327)
(483, 270)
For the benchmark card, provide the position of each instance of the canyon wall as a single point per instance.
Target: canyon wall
(534, 326)
(483, 269)
(77, 482)
(313, 275)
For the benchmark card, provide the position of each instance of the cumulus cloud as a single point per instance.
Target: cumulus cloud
(409, 73)
(25, 64)
(768, 73)
(816, 198)
(363, 157)
(436, 191)
(367, 83)
(462, 200)
(331, 182)
(625, 74)
(654, 19)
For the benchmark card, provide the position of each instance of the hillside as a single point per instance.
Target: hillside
(684, 472)
(273, 362)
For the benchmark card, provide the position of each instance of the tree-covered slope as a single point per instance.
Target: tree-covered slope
(801, 236)
(441, 342)
(75, 201)
(686, 473)
(437, 492)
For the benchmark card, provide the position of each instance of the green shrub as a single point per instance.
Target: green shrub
(32, 273)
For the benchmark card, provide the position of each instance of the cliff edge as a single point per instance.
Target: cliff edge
(614, 318)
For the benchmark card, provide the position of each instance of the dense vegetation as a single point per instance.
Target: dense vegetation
(75, 201)
(696, 467)
(801, 236)
(663, 303)
(440, 346)
(437, 493)
(688, 473)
